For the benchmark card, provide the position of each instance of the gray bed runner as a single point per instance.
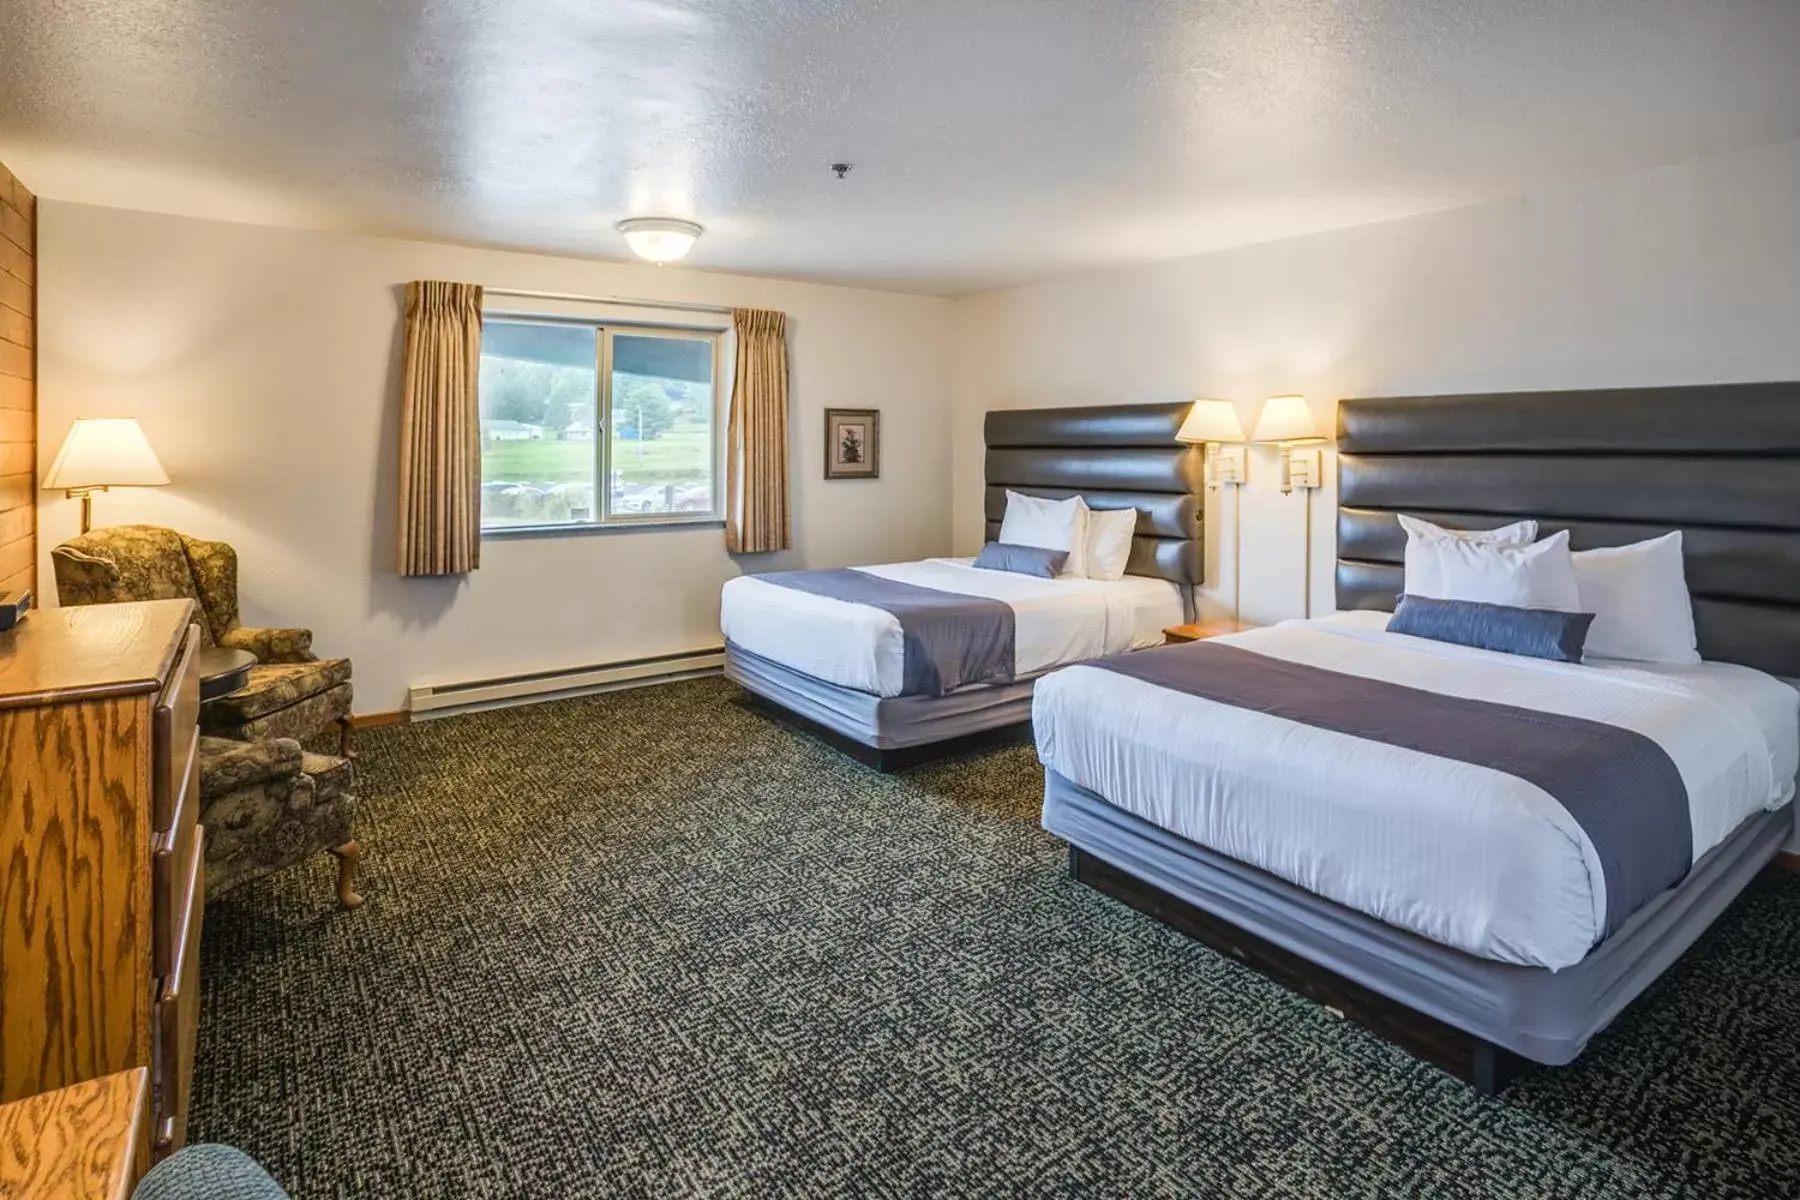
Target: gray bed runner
(950, 639)
(1619, 786)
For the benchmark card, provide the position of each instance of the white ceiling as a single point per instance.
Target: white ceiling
(995, 141)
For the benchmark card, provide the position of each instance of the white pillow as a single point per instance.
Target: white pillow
(1541, 575)
(1048, 525)
(1639, 597)
(1422, 576)
(1109, 534)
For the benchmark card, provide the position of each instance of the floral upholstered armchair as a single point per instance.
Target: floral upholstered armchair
(291, 691)
(268, 805)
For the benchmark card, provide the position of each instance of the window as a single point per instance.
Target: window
(566, 405)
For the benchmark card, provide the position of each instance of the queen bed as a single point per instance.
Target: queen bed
(904, 661)
(1484, 856)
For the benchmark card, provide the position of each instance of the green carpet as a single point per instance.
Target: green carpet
(655, 944)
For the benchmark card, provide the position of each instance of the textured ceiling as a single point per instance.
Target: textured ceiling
(994, 140)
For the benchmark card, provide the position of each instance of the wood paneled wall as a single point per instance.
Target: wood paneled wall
(18, 385)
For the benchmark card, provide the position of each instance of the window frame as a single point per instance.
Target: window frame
(605, 520)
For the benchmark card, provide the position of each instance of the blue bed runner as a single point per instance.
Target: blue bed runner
(1620, 786)
(950, 639)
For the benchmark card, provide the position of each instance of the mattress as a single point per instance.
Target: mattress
(855, 646)
(1458, 853)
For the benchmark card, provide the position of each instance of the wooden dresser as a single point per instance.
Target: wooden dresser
(103, 879)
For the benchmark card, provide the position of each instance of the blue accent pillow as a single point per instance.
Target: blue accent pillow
(1532, 632)
(1021, 560)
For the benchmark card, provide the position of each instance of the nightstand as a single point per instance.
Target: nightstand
(1201, 630)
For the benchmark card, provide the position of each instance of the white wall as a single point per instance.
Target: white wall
(1687, 274)
(263, 365)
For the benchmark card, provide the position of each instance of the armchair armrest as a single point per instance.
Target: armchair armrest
(231, 766)
(83, 578)
(271, 645)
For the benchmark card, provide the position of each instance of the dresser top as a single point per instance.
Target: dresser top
(90, 652)
(76, 1143)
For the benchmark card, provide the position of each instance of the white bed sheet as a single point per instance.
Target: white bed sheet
(1465, 855)
(1056, 621)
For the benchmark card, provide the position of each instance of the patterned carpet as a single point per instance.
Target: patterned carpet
(653, 944)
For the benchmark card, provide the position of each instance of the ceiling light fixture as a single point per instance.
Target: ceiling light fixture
(659, 239)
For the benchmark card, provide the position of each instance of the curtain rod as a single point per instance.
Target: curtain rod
(621, 300)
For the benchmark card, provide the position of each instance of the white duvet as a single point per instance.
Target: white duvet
(1056, 621)
(1465, 855)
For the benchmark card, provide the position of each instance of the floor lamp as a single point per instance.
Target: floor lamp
(1214, 424)
(1287, 423)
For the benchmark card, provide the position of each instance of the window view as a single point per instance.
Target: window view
(662, 424)
(544, 445)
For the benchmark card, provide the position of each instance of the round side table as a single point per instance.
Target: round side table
(222, 671)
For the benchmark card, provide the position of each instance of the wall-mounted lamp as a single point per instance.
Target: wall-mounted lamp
(1287, 421)
(102, 453)
(1215, 425)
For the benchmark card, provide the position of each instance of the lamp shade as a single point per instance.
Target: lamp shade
(1211, 421)
(105, 452)
(1286, 419)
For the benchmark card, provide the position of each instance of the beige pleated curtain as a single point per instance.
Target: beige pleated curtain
(756, 454)
(440, 430)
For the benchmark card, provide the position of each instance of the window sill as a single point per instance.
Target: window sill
(579, 530)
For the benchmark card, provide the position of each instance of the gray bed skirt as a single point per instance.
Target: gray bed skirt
(883, 722)
(1545, 1016)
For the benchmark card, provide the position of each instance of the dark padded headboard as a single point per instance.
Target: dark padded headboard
(1123, 456)
(1719, 462)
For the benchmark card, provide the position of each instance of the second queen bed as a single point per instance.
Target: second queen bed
(908, 660)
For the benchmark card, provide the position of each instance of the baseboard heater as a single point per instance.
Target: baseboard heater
(425, 701)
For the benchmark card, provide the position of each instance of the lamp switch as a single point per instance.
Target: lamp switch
(1230, 466)
(1306, 468)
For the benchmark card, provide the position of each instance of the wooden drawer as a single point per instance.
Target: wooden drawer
(176, 718)
(173, 865)
(177, 1016)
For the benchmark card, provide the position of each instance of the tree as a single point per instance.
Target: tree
(692, 401)
(534, 393)
(641, 408)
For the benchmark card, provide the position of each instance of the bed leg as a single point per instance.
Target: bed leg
(1490, 1067)
(1074, 864)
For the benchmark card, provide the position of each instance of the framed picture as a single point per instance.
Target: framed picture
(852, 443)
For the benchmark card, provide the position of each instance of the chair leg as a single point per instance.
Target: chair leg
(347, 854)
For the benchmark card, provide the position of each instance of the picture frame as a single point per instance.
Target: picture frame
(852, 443)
